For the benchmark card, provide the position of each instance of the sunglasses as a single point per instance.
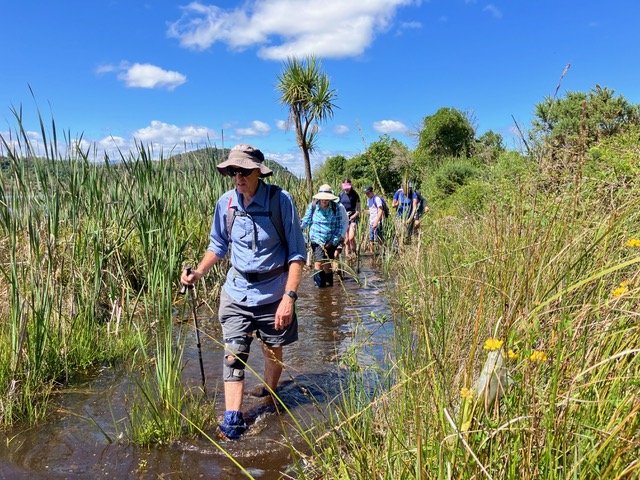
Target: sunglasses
(243, 172)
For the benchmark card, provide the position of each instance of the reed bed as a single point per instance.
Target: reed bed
(538, 300)
(91, 253)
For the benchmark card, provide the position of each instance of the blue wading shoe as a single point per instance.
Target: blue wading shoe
(233, 425)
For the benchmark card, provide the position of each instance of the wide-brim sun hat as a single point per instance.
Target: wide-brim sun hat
(325, 192)
(245, 156)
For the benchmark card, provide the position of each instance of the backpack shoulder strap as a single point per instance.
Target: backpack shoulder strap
(276, 212)
(231, 215)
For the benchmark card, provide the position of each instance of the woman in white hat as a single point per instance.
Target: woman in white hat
(327, 221)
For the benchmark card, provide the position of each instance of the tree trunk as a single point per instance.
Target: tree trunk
(307, 171)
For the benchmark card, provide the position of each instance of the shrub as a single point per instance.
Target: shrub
(453, 175)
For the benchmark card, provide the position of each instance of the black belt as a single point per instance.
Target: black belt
(255, 277)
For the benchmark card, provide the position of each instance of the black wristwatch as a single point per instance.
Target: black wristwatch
(292, 294)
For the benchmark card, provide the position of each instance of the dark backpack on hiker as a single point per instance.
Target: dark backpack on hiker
(421, 203)
(385, 207)
(274, 213)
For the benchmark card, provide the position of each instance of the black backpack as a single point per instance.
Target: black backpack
(421, 203)
(385, 207)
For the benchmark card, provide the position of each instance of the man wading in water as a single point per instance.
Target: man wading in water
(259, 224)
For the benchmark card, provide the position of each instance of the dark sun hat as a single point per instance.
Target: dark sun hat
(245, 156)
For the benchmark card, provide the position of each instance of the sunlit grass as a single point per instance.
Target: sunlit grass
(547, 295)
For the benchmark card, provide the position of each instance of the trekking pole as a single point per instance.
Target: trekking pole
(192, 289)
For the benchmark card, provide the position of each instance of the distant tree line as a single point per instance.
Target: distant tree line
(449, 154)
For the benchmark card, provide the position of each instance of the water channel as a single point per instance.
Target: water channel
(82, 437)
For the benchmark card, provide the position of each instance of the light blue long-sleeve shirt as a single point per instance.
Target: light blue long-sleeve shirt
(247, 255)
(325, 225)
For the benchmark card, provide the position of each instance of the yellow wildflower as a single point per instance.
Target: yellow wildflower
(621, 290)
(493, 344)
(511, 355)
(538, 356)
(466, 392)
(633, 243)
(625, 283)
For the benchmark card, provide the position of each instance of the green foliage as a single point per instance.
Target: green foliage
(453, 175)
(376, 165)
(470, 198)
(553, 281)
(447, 133)
(616, 158)
(583, 119)
(488, 147)
(332, 171)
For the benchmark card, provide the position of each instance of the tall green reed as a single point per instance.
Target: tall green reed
(551, 288)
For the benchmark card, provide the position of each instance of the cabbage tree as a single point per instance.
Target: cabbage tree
(306, 90)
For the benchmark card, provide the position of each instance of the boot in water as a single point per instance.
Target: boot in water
(328, 278)
(319, 279)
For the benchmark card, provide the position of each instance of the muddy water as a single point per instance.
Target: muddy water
(83, 437)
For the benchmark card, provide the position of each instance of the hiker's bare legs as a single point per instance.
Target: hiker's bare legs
(233, 392)
(272, 365)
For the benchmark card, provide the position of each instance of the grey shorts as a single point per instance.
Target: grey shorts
(238, 320)
(323, 253)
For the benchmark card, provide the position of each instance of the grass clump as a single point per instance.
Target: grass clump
(517, 341)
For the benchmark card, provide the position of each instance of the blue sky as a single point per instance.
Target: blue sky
(165, 73)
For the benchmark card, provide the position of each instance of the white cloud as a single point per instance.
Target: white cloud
(331, 28)
(291, 160)
(145, 75)
(281, 124)
(113, 141)
(389, 126)
(162, 138)
(493, 10)
(168, 135)
(257, 128)
(341, 129)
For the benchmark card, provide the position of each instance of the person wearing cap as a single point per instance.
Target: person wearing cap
(376, 217)
(327, 221)
(259, 293)
(350, 199)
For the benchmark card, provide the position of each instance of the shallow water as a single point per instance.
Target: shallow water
(81, 438)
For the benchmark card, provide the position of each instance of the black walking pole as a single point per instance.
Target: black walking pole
(195, 323)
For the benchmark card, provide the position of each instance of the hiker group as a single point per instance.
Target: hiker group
(332, 223)
(258, 225)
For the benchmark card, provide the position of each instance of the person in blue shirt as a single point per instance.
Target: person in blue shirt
(406, 201)
(327, 221)
(403, 202)
(259, 293)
